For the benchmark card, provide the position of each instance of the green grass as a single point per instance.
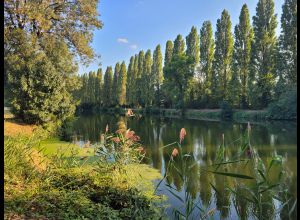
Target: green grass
(52, 146)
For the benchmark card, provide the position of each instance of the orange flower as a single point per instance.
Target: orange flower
(116, 140)
(174, 152)
(182, 134)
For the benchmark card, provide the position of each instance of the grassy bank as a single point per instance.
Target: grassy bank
(52, 179)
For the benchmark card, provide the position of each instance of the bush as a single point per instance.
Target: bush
(285, 107)
(226, 110)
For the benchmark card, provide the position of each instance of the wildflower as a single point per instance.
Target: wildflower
(182, 134)
(174, 152)
(116, 140)
(140, 149)
(106, 128)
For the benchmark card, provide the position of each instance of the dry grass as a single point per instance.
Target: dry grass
(13, 128)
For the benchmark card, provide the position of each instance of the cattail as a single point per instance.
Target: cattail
(182, 134)
(174, 152)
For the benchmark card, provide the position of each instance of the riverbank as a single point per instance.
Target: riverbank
(52, 179)
(238, 115)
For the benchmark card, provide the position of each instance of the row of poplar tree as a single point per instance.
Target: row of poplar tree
(247, 69)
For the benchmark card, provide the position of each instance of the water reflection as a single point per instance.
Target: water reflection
(200, 145)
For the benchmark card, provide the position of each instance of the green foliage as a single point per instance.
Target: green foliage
(285, 107)
(40, 92)
(206, 55)
(180, 72)
(222, 57)
(115, 95)
(157, 73)
(107, 87)
(147, 80)
(121, 87)
(288, 41)
(241, 59)
(226, 110)
(192, 45)
(179, 46)
(264, 51)
(69, 190)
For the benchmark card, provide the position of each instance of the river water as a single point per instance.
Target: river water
(201, 142)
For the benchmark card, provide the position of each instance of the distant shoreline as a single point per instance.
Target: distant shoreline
(239, 115)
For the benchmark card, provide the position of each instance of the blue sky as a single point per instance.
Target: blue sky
(134, 25)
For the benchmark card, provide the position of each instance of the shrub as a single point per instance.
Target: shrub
(226, 110)
(285, 107)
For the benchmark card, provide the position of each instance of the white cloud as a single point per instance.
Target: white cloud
(133, 46)
(122, 40)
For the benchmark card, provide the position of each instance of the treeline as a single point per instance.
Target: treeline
(247, 69)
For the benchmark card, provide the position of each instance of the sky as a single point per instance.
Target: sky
(134, 25)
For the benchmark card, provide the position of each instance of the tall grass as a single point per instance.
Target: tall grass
(255, 192)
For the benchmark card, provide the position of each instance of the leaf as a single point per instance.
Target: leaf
(270, 187)
(214, 188)
(261, 173)
(178, 197)
(226, 162)
(236, 175)
(293, 207)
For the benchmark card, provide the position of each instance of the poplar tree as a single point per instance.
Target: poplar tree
(107, 87)
(179, 45)
(98, 88)
(134, 82)
(223, 55)
(241, 58)
(122, 85)
(166, 87)
(157, 72)
(206, 55)
(264, 56)
(168, 52)
(147, 80)
(288, 43)
(115, 88)
(140, 71)
(130, 81)
(192, 45)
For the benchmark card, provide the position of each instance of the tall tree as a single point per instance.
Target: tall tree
(206, 55)
(223, 54)
(192, 45)
(98, 88)
(115, 88)
(147, 80)
(179, 46)
(157, 72)
(122, 85)
(139, 88)
(130, 80)
(264, 56)
(168, 52)
(288, 42)
(241, 58)
(180, 72)
(41, 41)
(107, 87)
(134, 82)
